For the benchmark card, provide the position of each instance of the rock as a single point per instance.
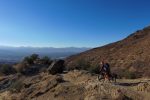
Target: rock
(37, 89)
(7, 82)
(56, 67)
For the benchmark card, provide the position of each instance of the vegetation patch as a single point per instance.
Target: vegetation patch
(127, 74)
(6, 69)
(16, 87)
(86, 65)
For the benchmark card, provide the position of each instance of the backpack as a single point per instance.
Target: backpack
(106, 67)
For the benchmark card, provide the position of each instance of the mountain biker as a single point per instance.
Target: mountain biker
(105, 70)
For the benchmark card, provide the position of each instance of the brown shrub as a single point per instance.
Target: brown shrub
(7, 69)
(20, 67)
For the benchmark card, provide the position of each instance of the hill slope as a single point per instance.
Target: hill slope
(131, 53)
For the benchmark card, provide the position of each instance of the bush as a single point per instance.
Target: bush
(32, 64)
(31, 59)
(25, 69)
(34, 57)
(94, 69)
(46, 60)
(7, 69)
(16, 86)
(28, 60)
(131, 75)
(128, 75)
(20, 67)
(86, 65)
(82, 64)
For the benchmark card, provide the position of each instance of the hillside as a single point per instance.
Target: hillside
(130, 54)
(74, 85)
(37, 78)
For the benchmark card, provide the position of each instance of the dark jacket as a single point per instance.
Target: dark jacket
(105, 68)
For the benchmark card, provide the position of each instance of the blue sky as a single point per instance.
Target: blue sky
(70, 23)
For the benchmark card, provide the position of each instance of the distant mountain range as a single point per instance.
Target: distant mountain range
(13, 54)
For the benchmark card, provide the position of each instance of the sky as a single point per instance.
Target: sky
(70, 23)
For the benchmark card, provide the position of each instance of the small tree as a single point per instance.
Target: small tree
(31, 59)
(34, 57)
(46, 60)
(28, 60)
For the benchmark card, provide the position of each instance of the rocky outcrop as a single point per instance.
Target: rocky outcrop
(43, 85)
(57, 66)
(7, 81)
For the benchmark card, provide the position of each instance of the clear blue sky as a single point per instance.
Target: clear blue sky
(67, 23)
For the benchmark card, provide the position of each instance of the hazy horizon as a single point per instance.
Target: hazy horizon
(15, 54)
(40, 47)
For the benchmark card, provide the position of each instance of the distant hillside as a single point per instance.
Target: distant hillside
(130, 54)
(12, 54)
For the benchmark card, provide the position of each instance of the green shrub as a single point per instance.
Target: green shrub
(46, 60)
(28, 60)
(86, 65)
(128, 74)
(131, 75)
(94, 69)
(16, 86)
(82, 64)
(34, 57)
(7, 69)
(31, 59)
